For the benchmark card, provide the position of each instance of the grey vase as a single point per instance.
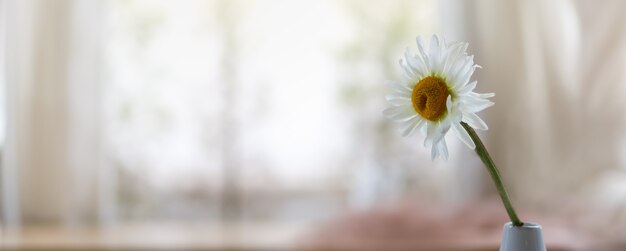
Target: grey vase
(527, 237)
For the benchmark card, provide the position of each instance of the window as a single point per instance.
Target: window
(264, 110)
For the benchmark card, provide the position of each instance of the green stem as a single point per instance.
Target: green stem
(495, 175)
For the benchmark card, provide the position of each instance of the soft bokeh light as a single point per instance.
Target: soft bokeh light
(255, 125)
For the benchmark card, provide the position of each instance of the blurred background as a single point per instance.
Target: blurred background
(257, 125)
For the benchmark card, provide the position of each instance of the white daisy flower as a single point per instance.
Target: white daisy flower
(436, 94)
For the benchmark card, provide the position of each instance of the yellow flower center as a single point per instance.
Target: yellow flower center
(429, 98)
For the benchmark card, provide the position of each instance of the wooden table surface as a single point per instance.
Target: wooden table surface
(155, 237)
(249, 237)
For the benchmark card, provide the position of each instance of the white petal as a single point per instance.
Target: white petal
(443, 149)
(408, 80)
(416, 65)
(401, 93)
(439, 149)
(401, 117)
(398, 101)
(409, 125)
(474, 104)
(400, 90)
(434, 152)
(423, 55)
(474, 121)
(464, 75)
(424, 127)
(442, 130)
(463, 135)
(478, 108)
(435, 132)
(415, 123)
(422, 60)
(408, 72)
(456, 51)
(397, 95)
(435, 54)
(467, 88)
(486, 95)
(430, 133)
(456, 68)
(397, 110)
(473, 97)
(397, 87)
(433, 46)
(400, 113)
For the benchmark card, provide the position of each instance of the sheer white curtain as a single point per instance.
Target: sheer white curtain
(556, 131)
(558, 71)
(52, 163)
(170, 63)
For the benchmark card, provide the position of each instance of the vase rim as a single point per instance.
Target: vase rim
(525, 225)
